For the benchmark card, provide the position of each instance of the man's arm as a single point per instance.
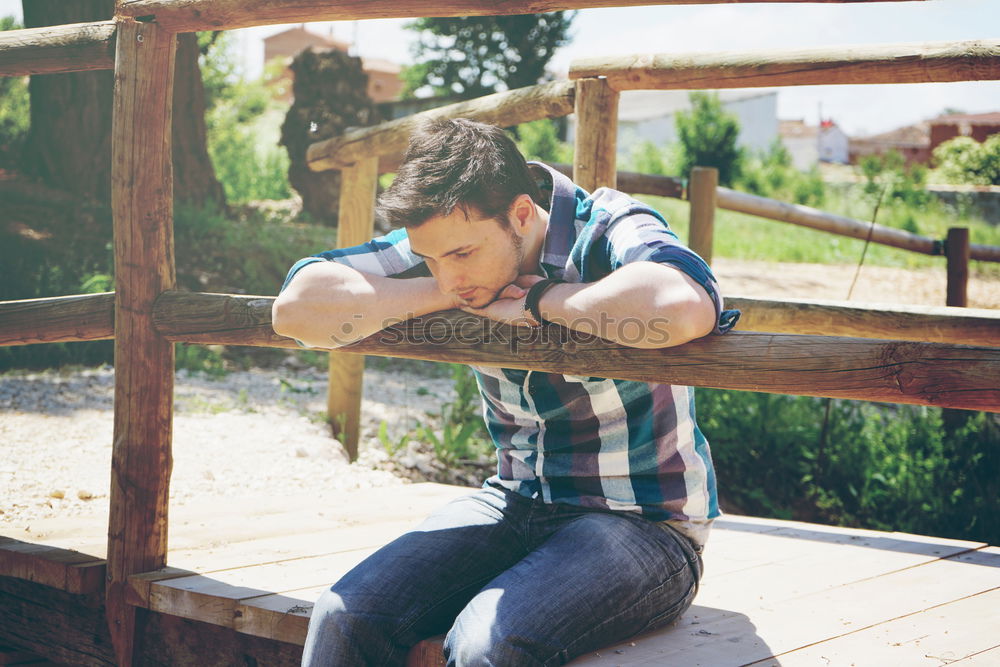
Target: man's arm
(643, 305)
(328, 304)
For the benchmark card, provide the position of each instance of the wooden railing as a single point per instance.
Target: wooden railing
(148, 315)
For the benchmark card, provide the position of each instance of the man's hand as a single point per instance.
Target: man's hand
(508, 307)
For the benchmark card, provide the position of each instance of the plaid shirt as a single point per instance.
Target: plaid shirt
(590, 441)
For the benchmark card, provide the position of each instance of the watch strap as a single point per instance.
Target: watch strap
(534, 296)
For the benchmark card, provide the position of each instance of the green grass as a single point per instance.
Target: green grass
(747, 237)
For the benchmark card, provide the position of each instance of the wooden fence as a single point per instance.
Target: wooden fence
(147, 315)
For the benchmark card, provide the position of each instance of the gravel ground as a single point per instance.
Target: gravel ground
(259, 431)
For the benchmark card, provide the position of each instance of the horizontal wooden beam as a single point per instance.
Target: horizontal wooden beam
(512, 107)
(929, 324)
(975, 60)
(806, 216)
(231, 319)
(902, 372)
(75, 47)
(192, 15)
(60, 319)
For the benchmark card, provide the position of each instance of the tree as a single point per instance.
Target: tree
(707, 136)
(330, 90)
(69, 141)
(472, 56)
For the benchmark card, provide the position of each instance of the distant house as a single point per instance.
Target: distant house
(801, 141)
(833, 143)
(384, 82)
(648, 115)
(978, 126)
(912, 141)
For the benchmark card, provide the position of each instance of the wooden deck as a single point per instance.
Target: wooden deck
(774, 592)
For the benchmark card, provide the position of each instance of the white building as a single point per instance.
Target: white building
(808, 145)
(648, 115)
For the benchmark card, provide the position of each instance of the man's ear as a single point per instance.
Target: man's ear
(522, 211)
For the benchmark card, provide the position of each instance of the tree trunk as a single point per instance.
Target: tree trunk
(194, 175)
(69, 142)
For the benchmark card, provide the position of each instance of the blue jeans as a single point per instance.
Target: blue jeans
(511, 580)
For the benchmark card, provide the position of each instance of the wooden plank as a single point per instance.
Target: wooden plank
(512, 107)
(142, 205)
(65, 569)
(213, 598)
(894, 371)
(595, 149)
(702, 194)
(212, 318)
(57, 319)
(942, 635)
(715, 631)
(240, 319)
(989, 658)
(75, 47)
(929, 324)
(15, 656)
(356, 225)
(925, 62)
(805, 216)
(192, 15)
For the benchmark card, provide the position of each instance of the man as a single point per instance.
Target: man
(592, 528)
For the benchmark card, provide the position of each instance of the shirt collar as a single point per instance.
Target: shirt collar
(561, 234)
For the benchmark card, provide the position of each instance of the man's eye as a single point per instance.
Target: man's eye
(462, 255)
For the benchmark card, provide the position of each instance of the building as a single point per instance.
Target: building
(912, 141)
(648, 115)
(384, 82)
(977, 126)
(834, 144)
(801, 141)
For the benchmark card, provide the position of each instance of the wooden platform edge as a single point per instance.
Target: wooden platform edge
(64, 569)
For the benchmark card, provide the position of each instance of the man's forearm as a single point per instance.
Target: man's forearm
(329, 305)
(645, 305)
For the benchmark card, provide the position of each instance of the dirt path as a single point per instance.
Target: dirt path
(876, 284)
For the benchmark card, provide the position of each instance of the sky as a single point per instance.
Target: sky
(860, 110)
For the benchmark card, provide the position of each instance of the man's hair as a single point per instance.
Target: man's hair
(457, 163)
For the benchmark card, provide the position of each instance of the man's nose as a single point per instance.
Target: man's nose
(449, 282)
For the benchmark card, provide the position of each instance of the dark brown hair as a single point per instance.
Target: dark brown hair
(457, 163)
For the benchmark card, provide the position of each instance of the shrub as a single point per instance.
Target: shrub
(771, 174)
(708, 136)
(887, 467)
(964, 160)
(539, 140)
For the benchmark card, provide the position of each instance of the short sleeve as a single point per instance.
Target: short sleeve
(388, 256)
(642, 236)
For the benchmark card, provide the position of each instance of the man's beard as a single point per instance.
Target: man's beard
(517, 247)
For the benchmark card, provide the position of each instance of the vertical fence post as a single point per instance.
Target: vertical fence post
(594, 153)
(142, 208)
(956, 248)
(702, 192)
(356, 225)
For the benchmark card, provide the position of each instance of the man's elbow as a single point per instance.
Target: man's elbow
(286, 317)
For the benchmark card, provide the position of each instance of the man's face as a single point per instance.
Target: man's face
(469, 256)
